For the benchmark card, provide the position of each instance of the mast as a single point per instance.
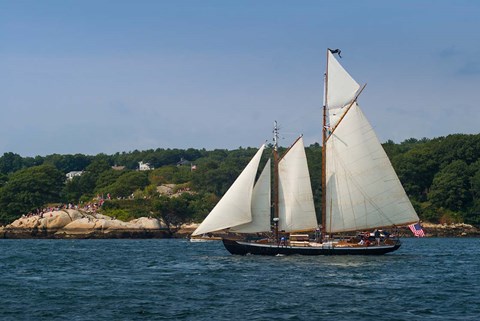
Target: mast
(275, 179)
(324, 151)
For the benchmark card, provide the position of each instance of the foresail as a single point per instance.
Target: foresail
(296, 209)
(235, 206)
(261, 205)
(363, 190)
(341, 89)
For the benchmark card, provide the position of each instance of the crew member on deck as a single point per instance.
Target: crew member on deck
(377, 236)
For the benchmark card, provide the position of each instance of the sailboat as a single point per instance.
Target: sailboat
(360, 189)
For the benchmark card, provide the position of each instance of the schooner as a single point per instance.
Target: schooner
(360, 189)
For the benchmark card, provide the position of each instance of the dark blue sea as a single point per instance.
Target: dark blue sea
(427, 279)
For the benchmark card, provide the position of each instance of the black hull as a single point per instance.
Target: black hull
(244, 248)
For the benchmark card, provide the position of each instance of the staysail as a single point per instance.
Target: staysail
(363, 190)
(296, 208)
(235, 206)
(261, 205)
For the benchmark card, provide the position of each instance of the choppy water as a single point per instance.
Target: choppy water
(427, 279)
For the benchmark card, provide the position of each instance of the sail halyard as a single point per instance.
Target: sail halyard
(234, 208)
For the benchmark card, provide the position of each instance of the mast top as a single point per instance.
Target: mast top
(275, 135)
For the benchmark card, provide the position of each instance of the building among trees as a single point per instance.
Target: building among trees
(144, 166)
(72, 174)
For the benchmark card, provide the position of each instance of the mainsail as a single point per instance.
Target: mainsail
(235, 206)
(296, 208)
(362, 191)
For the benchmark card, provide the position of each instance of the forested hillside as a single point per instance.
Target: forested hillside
(441, 177)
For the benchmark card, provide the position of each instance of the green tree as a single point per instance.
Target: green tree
(99, 165)
(3, 179)
(472, 216)
(451, 187)
(84, 186)
(173, 211)
(29, 189)
(10, 163)
(474, 171)
(72, 191)
(170, 174)
(457, 147)
(201, 204)
(416, 169)
(126, 184)
(68, 163)
(107, 177)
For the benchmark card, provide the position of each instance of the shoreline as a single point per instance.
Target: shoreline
(76, 224)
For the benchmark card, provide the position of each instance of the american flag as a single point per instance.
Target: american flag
(417, 230)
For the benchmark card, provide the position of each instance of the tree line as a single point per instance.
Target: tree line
(441, 176)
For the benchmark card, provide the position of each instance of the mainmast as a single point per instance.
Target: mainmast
(324, 152)
(275, 179)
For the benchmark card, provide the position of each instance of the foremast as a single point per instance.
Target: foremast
(293, 205)
(275, 180)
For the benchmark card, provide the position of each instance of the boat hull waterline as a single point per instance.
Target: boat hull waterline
(244, 248)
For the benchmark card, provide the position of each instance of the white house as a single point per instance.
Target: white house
(144, 166)
(73, 174)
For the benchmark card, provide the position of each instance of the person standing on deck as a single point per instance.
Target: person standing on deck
(377, 236)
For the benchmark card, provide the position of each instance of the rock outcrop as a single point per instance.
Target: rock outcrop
(450, 230)
(79, 224)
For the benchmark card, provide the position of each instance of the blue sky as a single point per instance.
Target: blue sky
(111, 76)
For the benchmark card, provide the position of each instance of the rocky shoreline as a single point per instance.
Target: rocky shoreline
(78, 224)
(450, 230)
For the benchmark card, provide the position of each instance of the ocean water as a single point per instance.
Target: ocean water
(427, 279)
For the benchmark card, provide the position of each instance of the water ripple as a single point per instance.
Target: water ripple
(429, 279)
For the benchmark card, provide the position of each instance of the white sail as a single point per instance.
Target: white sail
(341, 89)
(235, 206)
(261, 205)
(363, 191)
(296, 209)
